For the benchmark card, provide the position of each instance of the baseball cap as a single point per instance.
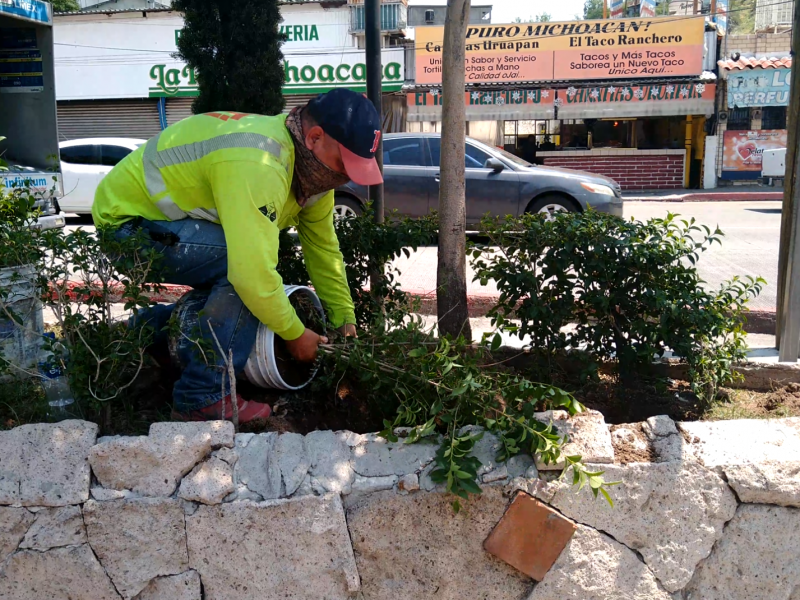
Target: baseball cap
(351, 119)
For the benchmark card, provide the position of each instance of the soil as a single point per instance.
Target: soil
(630, 444)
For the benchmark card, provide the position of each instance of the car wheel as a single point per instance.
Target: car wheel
(344, 207)
(551, 206)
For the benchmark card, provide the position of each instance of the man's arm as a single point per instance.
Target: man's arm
(324, 260)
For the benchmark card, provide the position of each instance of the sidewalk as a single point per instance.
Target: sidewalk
(739, 193)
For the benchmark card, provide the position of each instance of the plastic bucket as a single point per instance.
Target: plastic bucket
(261, 368)
(21, 337)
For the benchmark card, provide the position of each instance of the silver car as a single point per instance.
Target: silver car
(498, 183)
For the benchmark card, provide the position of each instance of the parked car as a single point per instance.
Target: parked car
(498, 183)
(84, 163)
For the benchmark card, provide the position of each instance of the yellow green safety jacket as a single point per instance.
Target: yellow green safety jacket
(231, 169)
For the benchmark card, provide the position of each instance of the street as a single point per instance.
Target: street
(750, 246)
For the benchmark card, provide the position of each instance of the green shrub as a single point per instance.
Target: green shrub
(630, 290)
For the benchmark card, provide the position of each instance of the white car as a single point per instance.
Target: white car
(84, 163)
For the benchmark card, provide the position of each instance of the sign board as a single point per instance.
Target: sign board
(30, 10)
(742, 150)
(769, 87)
(21, 69)
(662, 99)
(495, 105)
(578, 50)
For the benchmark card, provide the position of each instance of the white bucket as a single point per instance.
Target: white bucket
(262, 366)
(21, 343)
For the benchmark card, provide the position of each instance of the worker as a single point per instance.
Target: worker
(211, 194)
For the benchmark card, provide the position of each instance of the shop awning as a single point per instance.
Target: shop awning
(653, 100)
(486, 105)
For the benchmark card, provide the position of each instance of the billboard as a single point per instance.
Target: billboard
(577, 50)
(742, 150)
(759, 88)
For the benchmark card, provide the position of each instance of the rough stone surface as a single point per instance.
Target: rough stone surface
(70, 573)
(659, 426)
(485, 450)
(153, 465)
(671, 513)
(185, 586)
(56, 527)
(208, 482)
(297, 548)
(521, 465)
(331, 466)
(666, 442)
(499, 474)
(137, 540)
(14, 522)
(256, 467)
(292, 459)
(377, 457)
(756, 559)
(766, 483)
(229, 455)
(414, 546)
(103, 494)
(46, 464)
(588, 437)
(408, 483)
(595, 567)
(367, 485)
(722, 443)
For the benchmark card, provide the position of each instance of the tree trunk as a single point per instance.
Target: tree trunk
(451, 276)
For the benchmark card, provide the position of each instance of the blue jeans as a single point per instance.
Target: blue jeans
(199, 258)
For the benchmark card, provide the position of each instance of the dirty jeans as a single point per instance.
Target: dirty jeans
(199, 259)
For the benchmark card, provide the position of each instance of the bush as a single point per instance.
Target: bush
(630, 289)
(367, 247)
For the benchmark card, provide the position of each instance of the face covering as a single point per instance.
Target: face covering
(312, 177)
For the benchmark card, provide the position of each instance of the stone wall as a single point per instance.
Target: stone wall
(703, 510)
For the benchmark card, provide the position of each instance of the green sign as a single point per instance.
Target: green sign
(300, 33)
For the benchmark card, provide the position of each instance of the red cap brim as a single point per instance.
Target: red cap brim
(363, 171)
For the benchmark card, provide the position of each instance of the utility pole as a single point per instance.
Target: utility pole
(605, 9)
(788, 309)
(372, 31)
(451, 275)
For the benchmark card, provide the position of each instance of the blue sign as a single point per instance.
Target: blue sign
(768, 87)
(32, 10)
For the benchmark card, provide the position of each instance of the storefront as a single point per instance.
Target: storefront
(752, 117)
(116, 75)
(627, 98)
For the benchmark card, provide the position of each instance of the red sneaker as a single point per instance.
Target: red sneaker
(248, 411)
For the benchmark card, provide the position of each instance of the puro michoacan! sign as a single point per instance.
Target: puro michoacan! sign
(619, 48)
(759, 88)
(742, 150)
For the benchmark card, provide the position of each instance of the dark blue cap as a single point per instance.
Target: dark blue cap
(351, 119)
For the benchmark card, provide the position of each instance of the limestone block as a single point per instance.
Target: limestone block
(485, 450)
(56, 527)
(588, 437)
(70, 573)
(368, 485)
(499, 474)
(521, 465)
(415, 546)
(297, 548)
(292, 459)
(377, 457)
(102, 494)
(659, 426)
(722, 443)
(770, 482)
(229, 455)
(756, 559)
(185, 586)
(408, 483)
(595, 567)
(329, 454)
(14, 523)
(153, 465)
(137, 540)
(46, 464)
(208, 482)
(256, 467)
(671, 513)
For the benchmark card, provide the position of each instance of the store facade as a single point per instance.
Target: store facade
(116, 76)
(628, 98)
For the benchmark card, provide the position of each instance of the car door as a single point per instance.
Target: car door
(407, 177)
(487, 191)
(110, 155)
(79, 170)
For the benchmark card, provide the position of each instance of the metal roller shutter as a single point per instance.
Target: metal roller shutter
(297, 100)
(178, 109)
(136, 118)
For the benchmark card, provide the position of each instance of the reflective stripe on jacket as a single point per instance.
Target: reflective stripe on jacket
(235, 170)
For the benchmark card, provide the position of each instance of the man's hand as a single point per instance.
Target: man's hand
(304, 348)
(348, 330)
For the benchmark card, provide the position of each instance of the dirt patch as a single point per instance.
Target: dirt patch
(631, 444)
(745, 404)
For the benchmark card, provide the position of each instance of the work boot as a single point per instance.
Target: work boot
(248, 411)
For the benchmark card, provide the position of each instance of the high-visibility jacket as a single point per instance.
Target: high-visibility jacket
(236, 170)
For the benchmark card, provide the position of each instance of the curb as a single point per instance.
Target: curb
(710, 197)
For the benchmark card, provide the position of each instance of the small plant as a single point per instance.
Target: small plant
(439, 387)
(631, 291)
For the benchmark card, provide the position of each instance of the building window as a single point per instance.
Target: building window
(773, 117)
(738, 119)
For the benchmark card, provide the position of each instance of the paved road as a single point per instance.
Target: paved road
(750, 246)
